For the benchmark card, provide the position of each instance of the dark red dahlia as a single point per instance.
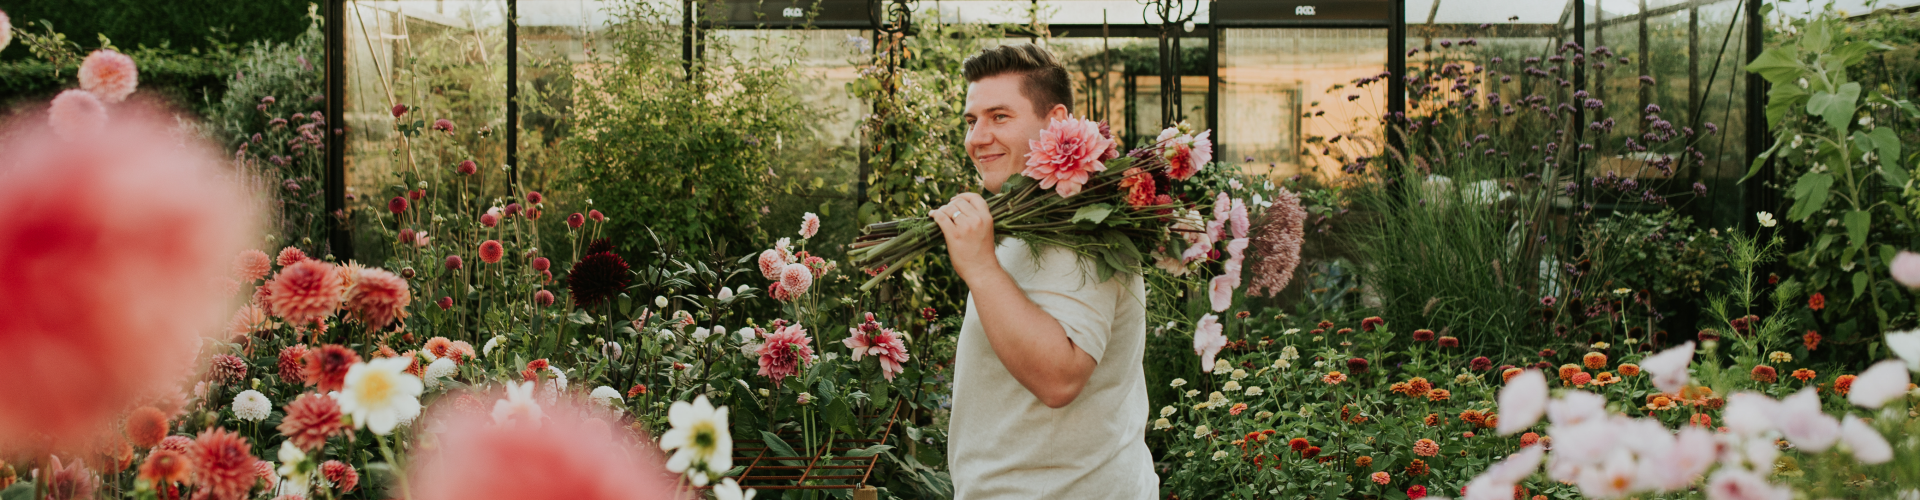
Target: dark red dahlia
(1480, 364)
(599, 276)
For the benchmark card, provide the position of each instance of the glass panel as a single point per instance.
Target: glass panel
(1270, 78)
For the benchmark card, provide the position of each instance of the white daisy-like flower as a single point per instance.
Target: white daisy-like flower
(1255, 391)
(295, 470)
(439, 369)
(252, 406)
(1178, 382)
(492, 343)
(605, 396)
(379, 394)
(729, 490)
(1168, 411)
(701, 445)
(518, 408)
(1231, 386)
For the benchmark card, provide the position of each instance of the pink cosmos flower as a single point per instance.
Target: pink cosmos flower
(1878, 384)
(1799, 418)
(1868, 446)
(1734, 483)
(1237, 219)
(1220, 291)
(1905, 268)
(76, 114)
(784, 351)
(1748, 413)
(1669, 368)
(1522, 402)
(1573, 408)
(882, 343)
(1222, 207)
(1689, 458)
(6, 31)
(1208, 341)
(795, 279)
(809, 225)
(1066, 155)
(577, 457)
(110, 75)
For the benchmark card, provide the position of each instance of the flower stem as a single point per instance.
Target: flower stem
(398, 474)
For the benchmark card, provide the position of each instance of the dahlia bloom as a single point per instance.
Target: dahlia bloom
(327, 366)
(701, 444)
(166, 467)
(227, 369)
(491, 251)
(809, 225)
(110, 75)
(252, 406)
(377, 298)
(1278, 238)
(251, 265)
(222, 465)
(1187, 153)
(1139, 186)
(1208, 341)
(795, 279)
(578, 458)
(76, 114)
(146, 426)
(340, 474)
(305, 292)
(379, 394)
(599, 276)
(784, 351)
(310, 420)
(883, 344)
(1066, 155)
(289, 366)
(109, 270)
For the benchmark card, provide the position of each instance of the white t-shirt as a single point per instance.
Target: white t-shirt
(1004, 443)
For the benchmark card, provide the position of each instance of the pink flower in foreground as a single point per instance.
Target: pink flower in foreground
(377, 298)
(110, 75)
(340, 474)
(882, 343)
(1522, 402)
(1185, 153)
(1905, 268)
(1734, 483)
(76, 114)
(1799, 418)
(222, 465)
(306, 292)
(809, 225)
(6, 30)
(251, 265)
(1869, 447)
(578, 457)
(1207, 341)
(1066, 155)
(784, 351)
(1237, 219)
(1220, 292)
(107, 268)
(1669, 368)
(795, 279)
(1878, 384)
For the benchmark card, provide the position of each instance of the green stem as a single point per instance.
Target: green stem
(398, 474)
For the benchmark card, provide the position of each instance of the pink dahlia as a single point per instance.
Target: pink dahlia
(883, 344)
(247, 320)
(461, 351)
(467, 168)
(1185, 153)
(397, 205)
(310, 420)
(110, 75)
(795, 279)
(491, 251)
(306, 292)
(227, 369)
(289, 256)
(326, 366)
(809, 225)
(263, 470)
(1139, 186)
(576, 220)
(596, 216)
(251, 265)
(1277, 241)
(443, 125)
(222, 465)
(109, 270)
(288, 366)
(76, 114)
(1066, 155)
(340, 474)
(574, 457)
(771, 262)
(377, 298)
(543, 298)
(440, 347)
(784, 351)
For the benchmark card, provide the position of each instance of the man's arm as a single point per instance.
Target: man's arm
(1030, 342)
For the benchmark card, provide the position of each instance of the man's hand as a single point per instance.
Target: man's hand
(967, 224)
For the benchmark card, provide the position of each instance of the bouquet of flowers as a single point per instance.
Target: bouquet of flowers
(1077, 192)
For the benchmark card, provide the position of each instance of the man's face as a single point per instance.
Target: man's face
(1000, 121)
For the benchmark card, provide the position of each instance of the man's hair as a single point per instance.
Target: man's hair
(1045, 81)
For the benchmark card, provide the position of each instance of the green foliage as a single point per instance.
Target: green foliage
(190, 80)
(188, 26)
(289, 164)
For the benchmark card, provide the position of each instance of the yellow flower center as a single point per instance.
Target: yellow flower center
(704, 437)
(376, 386)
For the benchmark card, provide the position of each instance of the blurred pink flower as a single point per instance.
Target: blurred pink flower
(1208, 341)
(1799, 418)
(1237, 219)
(1905, 268)
(251, 265)
(76, 114)
(1522, 402)
(1220, 291)
(795, 279)
(578, 457)
(1734, 483)
(1690, 455)
(289, 256)
(1748, 413)
(1066, 155)
(1878, 384)
(110, 75)
(6, 30)
(107, 276)
(1669, 368)
(784, 351)
(1277, 243)
(809, 225)
(1574, 408)
(1869, 447)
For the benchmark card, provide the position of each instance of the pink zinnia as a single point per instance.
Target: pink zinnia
(1066, 155)
(809, 225)
(882, 343)
(377, 298)
(491, 251)
(109, 270)
(306, 292)
(251, 265)
(1277, 241)
(795, 279)
(784, 351)
(110, 75)
(574, 456)
(289, 256)
(76, 114)
(222, 465)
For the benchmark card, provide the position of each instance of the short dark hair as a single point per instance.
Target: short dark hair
(1046, 82)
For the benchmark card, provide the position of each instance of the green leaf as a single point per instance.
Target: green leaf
(580, 317)
(1852, 53)
(840, 416)
(19, 491)
(1857, 222)
(1758, 161)
(1783, 98)
(1094, 214)
(1777, 65)
(869, 451)
(1817, 37)
(1810, 195)
(1887, 145)
(1836, 108)
(1859, 283)
(777, 445)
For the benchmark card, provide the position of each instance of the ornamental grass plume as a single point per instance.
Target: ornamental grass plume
(110, 75)
(577, 458)
(377, 298)
(111, 251)
(310, 420)
(222, 465)
(1277, 240)
(305, 292)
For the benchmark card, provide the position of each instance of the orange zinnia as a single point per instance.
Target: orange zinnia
(1629, 369)
(1803, 374)
(1595, 360)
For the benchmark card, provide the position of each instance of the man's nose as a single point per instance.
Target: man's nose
(977, 135)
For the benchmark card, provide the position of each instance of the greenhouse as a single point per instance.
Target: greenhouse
(866, 249)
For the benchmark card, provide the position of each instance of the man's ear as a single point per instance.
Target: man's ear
(1059, 112)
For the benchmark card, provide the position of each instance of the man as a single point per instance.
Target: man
(1049, 392)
